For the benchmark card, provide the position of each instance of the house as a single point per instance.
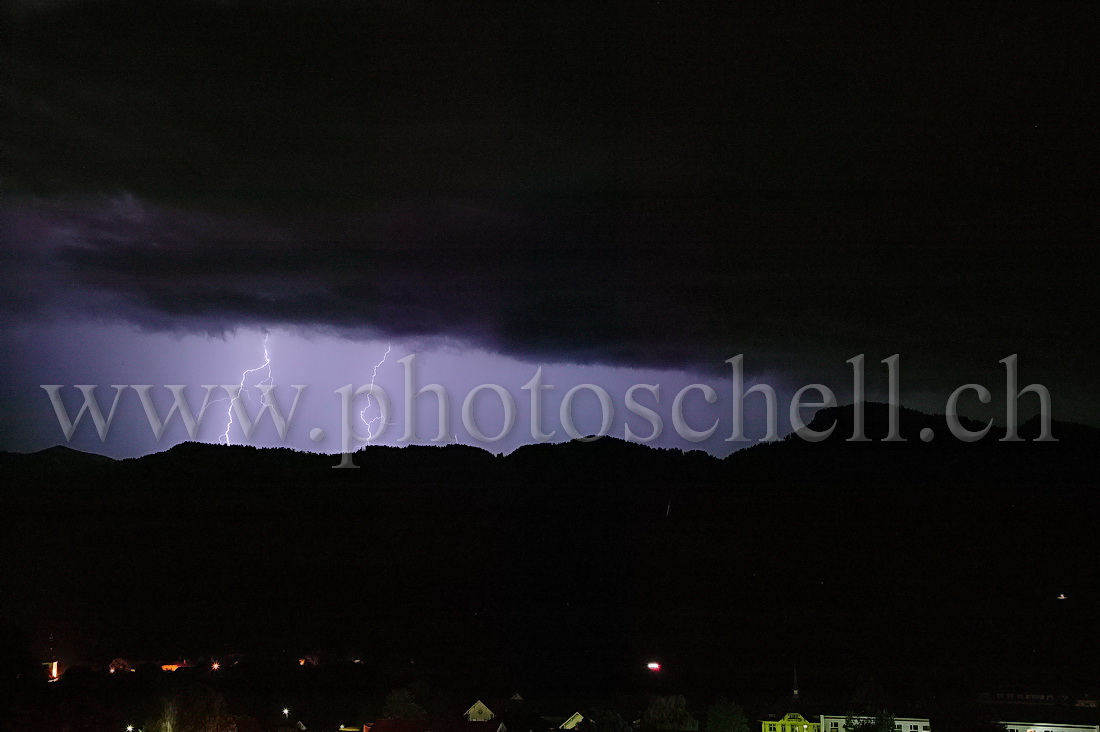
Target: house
(791, 722)
(1049, 727)
(835, 723)
(1074, 709)
(514, 715)
(478, 712)
(573, 720)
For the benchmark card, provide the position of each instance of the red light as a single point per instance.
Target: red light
(653, 666)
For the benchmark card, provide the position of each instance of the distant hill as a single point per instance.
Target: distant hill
(988, 462)
(1069, 463)
(571, 564)
(58, 458)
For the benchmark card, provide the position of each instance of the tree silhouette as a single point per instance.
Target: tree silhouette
(883, 721)
(604, 719)
(192, 708)
(726, 716)
(401, 704)
(668, 712)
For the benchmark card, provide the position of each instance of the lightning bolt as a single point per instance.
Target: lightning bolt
(362, 414)
(244, 376)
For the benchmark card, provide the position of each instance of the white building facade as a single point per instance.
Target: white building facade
(1049, 727)
(834, 723)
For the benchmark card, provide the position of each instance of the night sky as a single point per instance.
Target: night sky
(617, 194)
(641, 190)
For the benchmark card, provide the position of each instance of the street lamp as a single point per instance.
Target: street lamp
(286, 712)
(215, 666)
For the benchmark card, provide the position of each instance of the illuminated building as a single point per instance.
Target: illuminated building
(1049, 727)
(478, 712)
(835, 723)
(792, 722)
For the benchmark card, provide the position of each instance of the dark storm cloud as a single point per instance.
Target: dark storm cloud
(569, 293)
(278, 102)
(633, 185)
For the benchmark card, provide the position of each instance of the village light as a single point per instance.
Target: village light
(653, 666)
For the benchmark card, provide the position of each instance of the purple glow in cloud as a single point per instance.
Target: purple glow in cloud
(117, 354)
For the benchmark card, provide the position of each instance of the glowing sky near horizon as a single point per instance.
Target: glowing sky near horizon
(105, 354)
